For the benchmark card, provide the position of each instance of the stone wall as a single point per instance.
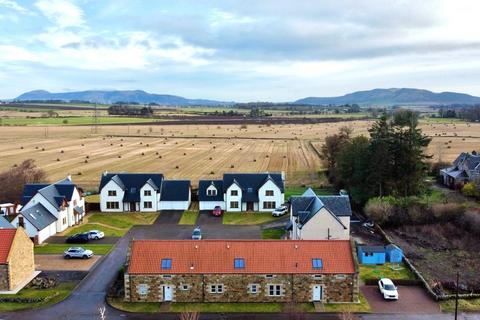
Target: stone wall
(4, 277)
(21, 262)
(237, 287)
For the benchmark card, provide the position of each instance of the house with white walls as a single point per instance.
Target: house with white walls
(314, 217)
(243, 192)
(50, 208)
(142, 192)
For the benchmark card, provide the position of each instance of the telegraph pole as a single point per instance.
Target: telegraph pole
(456, 299)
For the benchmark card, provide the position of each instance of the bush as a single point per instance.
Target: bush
(471, 190)
(379, 210)
(471, 221)
(446, 212)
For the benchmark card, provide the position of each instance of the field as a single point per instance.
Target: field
(197, 151)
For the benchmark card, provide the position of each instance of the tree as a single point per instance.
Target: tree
(331, 148)
(13, 180)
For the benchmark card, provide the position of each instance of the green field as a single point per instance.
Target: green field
(55, 248)
(52, 296)
(298, 191)
(72, 121)
(189, 218)
(247, 217)
(385, 271)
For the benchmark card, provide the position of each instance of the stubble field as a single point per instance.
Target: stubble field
(197, 151)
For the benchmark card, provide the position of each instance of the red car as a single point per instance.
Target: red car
(217, 211)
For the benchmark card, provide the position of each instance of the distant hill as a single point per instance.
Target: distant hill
(394, 96)
(99, 96)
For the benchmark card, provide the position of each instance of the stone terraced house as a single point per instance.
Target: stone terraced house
(241, 271)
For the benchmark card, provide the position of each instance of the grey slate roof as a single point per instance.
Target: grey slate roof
(202, 190)
(305, 207)
(175, 190)
(38, 216)
(131, 183)
(4, 224)
(55, 193)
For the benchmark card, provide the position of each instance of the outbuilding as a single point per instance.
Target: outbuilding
(371, 254)
(393, 254)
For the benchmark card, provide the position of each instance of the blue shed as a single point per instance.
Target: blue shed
(371, 254)
(393, 253)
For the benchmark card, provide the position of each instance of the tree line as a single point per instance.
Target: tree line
(391, 161)
(125, 110)
(468, 113)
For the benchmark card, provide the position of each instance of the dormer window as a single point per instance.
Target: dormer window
(166, 264)
(239, 263)
(133, 190)
(234, 193)
(211, 192)
(269, 193)
(317, 263)
(249, 190)
(112, 193)
(147, 193)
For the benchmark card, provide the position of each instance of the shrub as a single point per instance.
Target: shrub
(471, 221)
(446, 212)
(471, 190)
(379, 210)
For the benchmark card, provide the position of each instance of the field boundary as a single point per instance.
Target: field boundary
(203, 137)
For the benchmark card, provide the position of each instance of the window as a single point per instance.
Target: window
(166, 263)
(274, 290)
(21, 223)
(211, 192)
(216, 288)
(239, 263)
(112, 205)
(269, 204)
(234, 193)
(64, 220)
(185, 287)
(147, 193)
(340, 277)
(249, 190)
(133, 190)
(318, 276)
(147, 205)
(317, 263)
(234, 204)
(112, 193)
(166, 276)
(254, 288)
(269, 193)
(142, 289)
(269, 276)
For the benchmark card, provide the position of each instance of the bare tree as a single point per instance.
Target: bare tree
(190, 315)
(13, 180)
(102, 310)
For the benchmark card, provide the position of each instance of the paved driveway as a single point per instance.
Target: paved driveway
(213, 231)
(206, 217)
(169, 217)
(411, 300)
(57, 262)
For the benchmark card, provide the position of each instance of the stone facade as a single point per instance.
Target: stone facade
(4, 283)
(242, 287)
(21, 263)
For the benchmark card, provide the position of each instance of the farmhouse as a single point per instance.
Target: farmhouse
(17, 267)
(465, 168)
(314, 217)
(243, 192)
(50, 208)
(146, 192)
(241, 271)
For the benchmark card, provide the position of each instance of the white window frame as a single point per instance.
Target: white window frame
(252, 290)
(232, 193)
(236, 206)
(147, 193)
(113, 205)
(269, 204)
(269, 195)
(216, 288)
(211, 192)
(276, 289)
(112, 193)
(149, 206)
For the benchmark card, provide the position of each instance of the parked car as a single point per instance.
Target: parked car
(217, 211)
(95, 234)
(280, 211)
(197, 234)
(78, 238)
(77, 252)
(368, 224)
(388, 289)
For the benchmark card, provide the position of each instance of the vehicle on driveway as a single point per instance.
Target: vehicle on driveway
(77, 252)
(197, 234)
(280, 211)
(95, 234)
(78, 238)
(388, 289)
(217, 211)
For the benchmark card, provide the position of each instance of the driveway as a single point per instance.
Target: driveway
(412, 299)
(57, 262)
(207, 218)
(61, 240)
(169, 217)
(212, 231)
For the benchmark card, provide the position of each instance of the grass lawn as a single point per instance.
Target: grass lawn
(384, 271)
(472, 305)
(147, 307)
(189, 217)
(433, 196)
(54, 248)
(122, 220)
(93, 198)
(363, 306)
(53, 295)
(247, 217)
(109, 232)
(272, 233)
(298, 191)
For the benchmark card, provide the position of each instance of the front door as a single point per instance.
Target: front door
(132, 206)
(167, 293)
(317, 293)
(249, 206)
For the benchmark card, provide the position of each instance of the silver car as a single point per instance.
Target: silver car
(280, 211)
(95, 234)
(77, 252)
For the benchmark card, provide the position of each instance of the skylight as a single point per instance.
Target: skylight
(239, 263)
(317, 263)
(166, 263)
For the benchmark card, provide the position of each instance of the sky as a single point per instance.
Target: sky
(245, 50)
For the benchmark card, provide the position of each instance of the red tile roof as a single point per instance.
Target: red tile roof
(6, 240)
(217, 256)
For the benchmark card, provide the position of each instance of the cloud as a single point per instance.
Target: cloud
(62, 13)
(10, 4)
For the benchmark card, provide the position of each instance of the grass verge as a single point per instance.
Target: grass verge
(109, 232)
(54, 248)
(122, 220)
(52, 296)
(472, 305)
(247, 217)
(272, 233)
(189, 217)
(298, 191)
(385, 271)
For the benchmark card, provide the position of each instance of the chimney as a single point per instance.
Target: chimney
(105, 172)
(228, 246)
(69, 177)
